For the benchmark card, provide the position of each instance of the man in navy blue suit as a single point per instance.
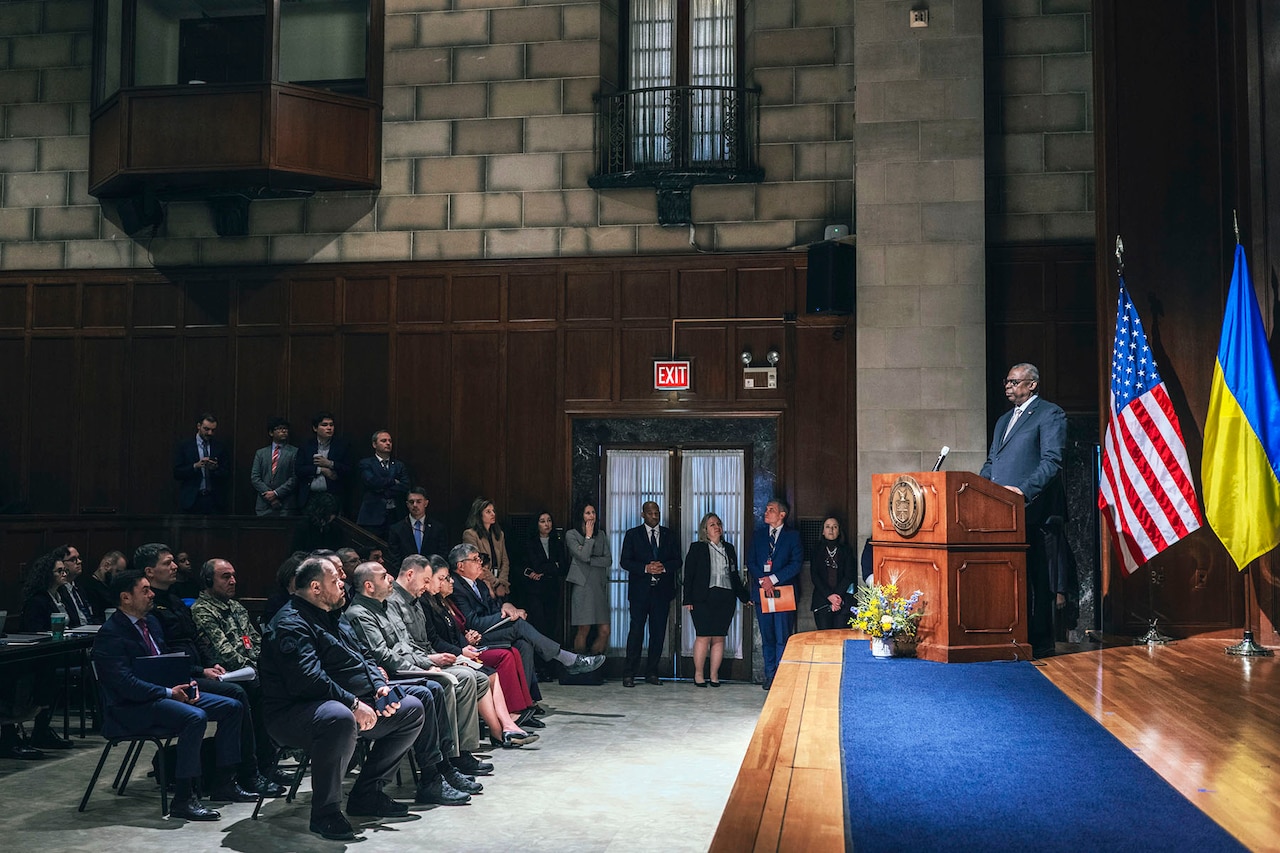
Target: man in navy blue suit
(651, 558)
(135, 706)
(1026, 458)
(386, 484)
(202, 466)
(774, 560)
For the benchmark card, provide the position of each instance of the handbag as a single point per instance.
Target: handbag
(783, 600)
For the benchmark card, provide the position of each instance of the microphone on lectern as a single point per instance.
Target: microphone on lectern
(937, 466)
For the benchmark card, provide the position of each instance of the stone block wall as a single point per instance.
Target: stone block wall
(1040, 173)
(487, 145)
(921, 353)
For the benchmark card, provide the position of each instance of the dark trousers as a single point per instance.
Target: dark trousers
(428, 747)
(655, 612)
(775, 630)
(249, 757)
(527, 640)
(1041, 600)
(327, 731)
(191, 720)
(823, 618)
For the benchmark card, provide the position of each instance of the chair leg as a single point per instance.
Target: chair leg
(97, 771)
(160, 775)
(297, 778)
(137, 753)
(128, 755)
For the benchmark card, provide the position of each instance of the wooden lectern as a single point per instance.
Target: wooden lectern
(962, 541)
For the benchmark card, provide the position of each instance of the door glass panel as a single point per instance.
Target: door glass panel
(632, 477)
(323, 44)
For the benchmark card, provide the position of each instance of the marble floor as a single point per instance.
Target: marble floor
(616, 770)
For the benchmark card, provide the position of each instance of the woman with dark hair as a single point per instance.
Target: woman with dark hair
(538, 582)
(508, 692)
(712, 586)
(590, 560)
(485, 533)
(835, 577)
(319, 528)
(42, 592)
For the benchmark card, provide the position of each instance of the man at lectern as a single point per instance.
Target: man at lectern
(1026, 458)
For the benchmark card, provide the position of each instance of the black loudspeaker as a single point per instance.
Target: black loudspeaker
(832, 276)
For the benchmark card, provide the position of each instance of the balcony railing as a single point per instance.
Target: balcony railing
(677, 136)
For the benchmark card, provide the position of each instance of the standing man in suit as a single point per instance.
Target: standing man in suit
(135, 706)
(324, 462)
(774, 560)
(201, 465)
(386, 483)
(273, 476)
(1026, 458)
(416, 534)
(651, 558)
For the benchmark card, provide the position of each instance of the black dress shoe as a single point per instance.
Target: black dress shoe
(653, 679)
(376, 804)
(539, 710)
(47, 738)
(472, 766)
(333, 826)
(192, 809)
(531, 723)
(513, 740)
(768, 682)
(715, 684)
(233, 793)
(460, 781)
(266, 787)
(21, 752)
(439, 792)
(699, 684)
(628, 681)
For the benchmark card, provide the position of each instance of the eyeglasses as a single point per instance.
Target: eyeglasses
(1009, 382)
(71, 559)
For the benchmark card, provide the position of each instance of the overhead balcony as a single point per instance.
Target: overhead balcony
(675, 138)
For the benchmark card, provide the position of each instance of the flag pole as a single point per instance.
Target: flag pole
(1246, 647)
(1155, 577)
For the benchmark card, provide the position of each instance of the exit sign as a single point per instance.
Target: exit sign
(671, 376)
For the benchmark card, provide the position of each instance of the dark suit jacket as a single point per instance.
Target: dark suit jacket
(381, 485)
(37, 609)
(1031, 459)
(788, 556)
(187, 454)
(401, 543)
(697, 573)
(480, 611)
(534, 559)
(339, 455)
(638, 553)
(128, 697)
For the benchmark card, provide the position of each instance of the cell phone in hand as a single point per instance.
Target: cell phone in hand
(394, 695)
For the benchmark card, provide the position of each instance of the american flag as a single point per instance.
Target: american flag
(1146, 481)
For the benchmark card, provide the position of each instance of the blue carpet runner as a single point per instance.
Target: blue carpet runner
(993, 757)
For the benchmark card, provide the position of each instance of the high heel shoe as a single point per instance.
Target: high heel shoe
(512, 740)
(715, 684)
(699, 684)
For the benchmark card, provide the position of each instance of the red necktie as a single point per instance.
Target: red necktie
(146, 635)
(275, 458)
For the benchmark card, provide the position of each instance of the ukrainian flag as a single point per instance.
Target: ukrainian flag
(1241, 465)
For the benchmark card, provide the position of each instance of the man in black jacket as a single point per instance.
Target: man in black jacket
(651, 558)
(416, 534)
(321, 694)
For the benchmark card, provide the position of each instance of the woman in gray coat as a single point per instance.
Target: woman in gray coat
(588, 578)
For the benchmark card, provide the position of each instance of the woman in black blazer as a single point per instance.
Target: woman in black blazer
(834, 573)
(537, 581)
(43, 591)
(712, 588)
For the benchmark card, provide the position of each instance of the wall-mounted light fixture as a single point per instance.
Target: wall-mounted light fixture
(747, 358)
(772, 357)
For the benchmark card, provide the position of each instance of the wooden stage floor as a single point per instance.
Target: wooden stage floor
(1207, 722)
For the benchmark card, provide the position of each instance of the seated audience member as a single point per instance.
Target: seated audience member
(485, 533)
(284, 585)
(272, 476)
(319, 527)
(324, 463)
(187, 584)
(227, 638)
(320, 694)
(388, 642)
(416, 577)
(95, 587)
(482, 611)
(42, 593)
(155, 561)
(416, 534)
(136, 706)
(70, 591)
(446, 630)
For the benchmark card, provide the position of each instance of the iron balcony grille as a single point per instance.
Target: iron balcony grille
(686, 134)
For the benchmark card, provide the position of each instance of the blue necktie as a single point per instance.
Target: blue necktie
(417, 534)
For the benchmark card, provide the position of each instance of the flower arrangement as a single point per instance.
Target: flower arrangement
(885, 615)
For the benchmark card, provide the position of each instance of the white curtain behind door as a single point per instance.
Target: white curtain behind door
(631, 478)
(713, 481)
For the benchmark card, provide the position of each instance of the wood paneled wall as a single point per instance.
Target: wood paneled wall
(475, 367)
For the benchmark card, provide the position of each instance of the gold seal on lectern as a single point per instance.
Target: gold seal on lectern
(906, 505)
